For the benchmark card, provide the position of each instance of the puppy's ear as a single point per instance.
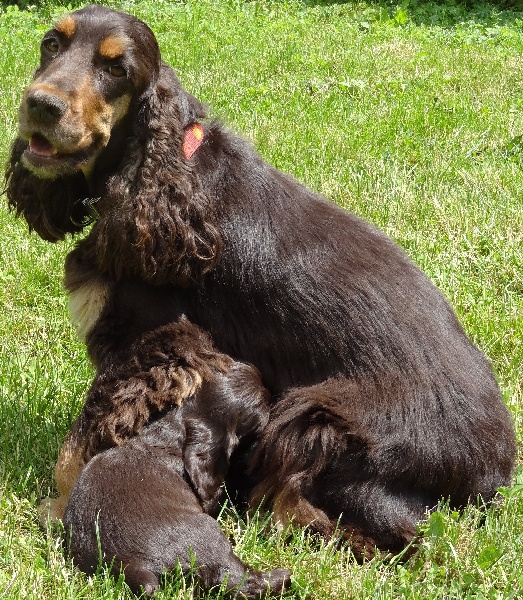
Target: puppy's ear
(48, 205)
(206, 454)
(235, 409)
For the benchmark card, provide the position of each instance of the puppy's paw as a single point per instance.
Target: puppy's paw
(51, 511)
(257, 585)
(279, 580)
(138, 577)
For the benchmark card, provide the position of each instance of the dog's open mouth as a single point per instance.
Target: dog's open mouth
(44, 158)
(41, 146)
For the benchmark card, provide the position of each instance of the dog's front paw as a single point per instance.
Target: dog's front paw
(51, 510)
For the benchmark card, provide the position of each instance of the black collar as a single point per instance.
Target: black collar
(89, 212)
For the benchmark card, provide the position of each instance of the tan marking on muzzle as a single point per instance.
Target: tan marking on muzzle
(98, 115)
(67, 26)
(45, 87)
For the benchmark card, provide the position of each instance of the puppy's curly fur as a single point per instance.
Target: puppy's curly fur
(381, 405)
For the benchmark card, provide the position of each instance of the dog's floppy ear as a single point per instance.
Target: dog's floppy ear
(157, 224)
(48, 205)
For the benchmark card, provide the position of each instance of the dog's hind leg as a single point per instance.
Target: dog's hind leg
(315, 466)
(388, 516)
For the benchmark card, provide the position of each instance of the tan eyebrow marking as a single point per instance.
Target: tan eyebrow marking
(66, 25)
(113, 46)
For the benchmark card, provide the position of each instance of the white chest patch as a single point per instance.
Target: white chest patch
(86, 304)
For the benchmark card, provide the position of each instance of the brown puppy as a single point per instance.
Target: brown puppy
(141, 507)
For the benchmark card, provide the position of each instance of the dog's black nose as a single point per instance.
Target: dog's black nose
(45, 108)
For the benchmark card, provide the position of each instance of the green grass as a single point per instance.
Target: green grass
(410, 115)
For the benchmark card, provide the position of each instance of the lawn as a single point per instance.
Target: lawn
(408, 114)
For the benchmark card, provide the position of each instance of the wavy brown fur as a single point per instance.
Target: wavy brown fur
(184, 244)
(381, 404)
(165, 366)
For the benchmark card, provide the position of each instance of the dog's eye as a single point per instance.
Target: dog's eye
(116, 70)
(51, 45)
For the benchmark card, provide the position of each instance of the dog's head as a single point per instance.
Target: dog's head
(94, 64)
(102, 109)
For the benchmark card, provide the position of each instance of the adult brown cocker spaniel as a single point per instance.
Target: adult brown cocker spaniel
(380, 404)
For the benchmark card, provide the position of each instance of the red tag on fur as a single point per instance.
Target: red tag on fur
(192, 139)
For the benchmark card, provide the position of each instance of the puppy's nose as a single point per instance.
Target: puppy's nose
(44, 107)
